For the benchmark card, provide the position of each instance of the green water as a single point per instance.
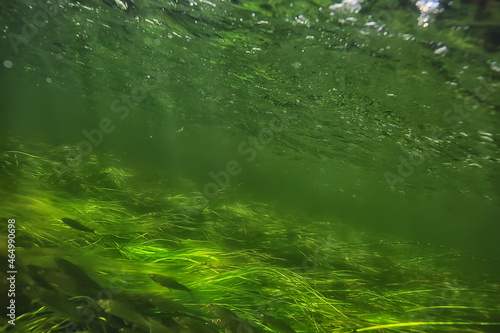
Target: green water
(333, 166)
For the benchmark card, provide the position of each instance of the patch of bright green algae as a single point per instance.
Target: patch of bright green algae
(319, 276)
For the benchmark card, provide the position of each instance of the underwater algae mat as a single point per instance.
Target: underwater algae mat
(136, 254)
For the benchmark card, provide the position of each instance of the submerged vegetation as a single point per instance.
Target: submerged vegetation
(337, 120)
(153, 266)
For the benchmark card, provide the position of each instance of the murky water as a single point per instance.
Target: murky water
(262, 146)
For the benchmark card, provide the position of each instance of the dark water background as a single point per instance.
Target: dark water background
(366, 118)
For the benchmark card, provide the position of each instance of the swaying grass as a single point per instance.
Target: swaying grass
(429, 323)
(318, 276)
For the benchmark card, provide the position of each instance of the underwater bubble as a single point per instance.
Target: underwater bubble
(494, 66)
(8, 63)
(441, 51)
